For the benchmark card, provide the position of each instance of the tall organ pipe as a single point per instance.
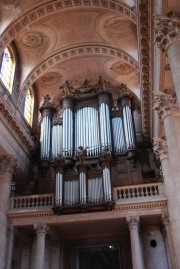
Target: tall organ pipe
(67, 103)
(107, 184)
(46, 112)
(105, 125)
(87, 130)
(59, 189)
(128, 127)
(118, 135)
(56, 140)
(82, 183)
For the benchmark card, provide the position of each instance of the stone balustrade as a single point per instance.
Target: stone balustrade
(152, 191)
(39, 201)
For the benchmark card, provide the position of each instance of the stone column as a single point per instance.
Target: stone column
(10, 245)
(41, 230)
(7, 165)
(168, 40)
(161, 150)
(133, 224)
(169, 241)
(25, 257)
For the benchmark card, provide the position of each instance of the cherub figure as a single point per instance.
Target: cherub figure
(47, 100)
(81, 154)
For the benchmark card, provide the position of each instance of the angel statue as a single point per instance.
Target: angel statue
(67, 88)
(81, 154)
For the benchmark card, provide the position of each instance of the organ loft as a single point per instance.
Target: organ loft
(89, 134)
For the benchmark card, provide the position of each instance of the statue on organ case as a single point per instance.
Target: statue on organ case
(67, 88)
(81, 154)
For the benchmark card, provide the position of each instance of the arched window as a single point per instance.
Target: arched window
(7, 68)
(29, 106)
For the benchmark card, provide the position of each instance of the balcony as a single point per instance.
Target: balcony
(124, 197)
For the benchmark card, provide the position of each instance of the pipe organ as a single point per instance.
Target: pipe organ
(87, 131)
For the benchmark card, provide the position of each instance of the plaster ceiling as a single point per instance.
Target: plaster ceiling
(73, 40)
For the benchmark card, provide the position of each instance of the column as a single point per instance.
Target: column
(55, 253)
(7, 166)
(169, 241)
(133, 224)
(41, 230)
(10, 245)
(45, 140)
(161, 151)
(25, 257)
(168, 40)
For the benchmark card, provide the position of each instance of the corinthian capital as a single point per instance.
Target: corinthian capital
(167, 31)
(160, 147)
(165, 103)
(41, 228)
(7, 164)
(132, 221)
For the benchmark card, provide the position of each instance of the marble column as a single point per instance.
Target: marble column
(161, 150)
(25, 257)
(167, 32)
(133, 224)
(41, 230)
(10, 245)
(7, 166)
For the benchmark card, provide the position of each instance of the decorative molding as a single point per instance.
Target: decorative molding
(160, 148)
(133, 222)
(122, 68)
(41, 228)
(166, 31)
(16, 127)
(144, 54)
(50, 78)
(7, 165)
(58, 6)
(32, 40)
(139, 206)
(118, 26)
(165, 103)
(84, 51)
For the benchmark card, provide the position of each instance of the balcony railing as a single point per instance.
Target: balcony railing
(122, 195)
(135, 193)
(40, 201)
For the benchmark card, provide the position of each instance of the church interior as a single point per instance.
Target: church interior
(89, 134)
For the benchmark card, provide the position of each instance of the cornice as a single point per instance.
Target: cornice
(15, 125)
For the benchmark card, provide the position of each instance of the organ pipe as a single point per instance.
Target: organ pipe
(57, 140)
(118, 135)
(107, 184)
(45, 139)
(67, 126)
(82, 185)
(59, 189)
(87, 130)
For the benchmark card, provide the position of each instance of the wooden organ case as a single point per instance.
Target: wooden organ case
(90, 142)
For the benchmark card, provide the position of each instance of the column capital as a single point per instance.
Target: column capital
(12, 231)
(165, 103)
(165, 219)
(41, 228)
(167, 31)
(7, 165)
(160, 147)
(133, 222)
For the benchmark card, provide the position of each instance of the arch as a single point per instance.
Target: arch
(84, 51)
(58, 6)
(29, 106)
(7, 68)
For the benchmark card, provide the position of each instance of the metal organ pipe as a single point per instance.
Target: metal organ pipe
(56, 140)
(67, 132)
(82, 183)
(87, 130)
(118, 135)
(59, 188)
(45, 137)
(128, 127)
(107, 184)
(105, 125)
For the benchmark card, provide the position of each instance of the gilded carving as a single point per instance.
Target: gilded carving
(165, 103)
(166, 30)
